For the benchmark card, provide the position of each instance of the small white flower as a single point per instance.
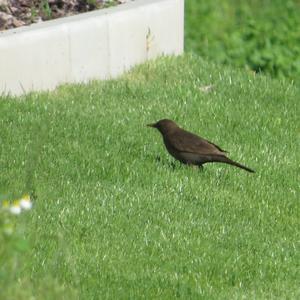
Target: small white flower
(15, 209)
(25, 202)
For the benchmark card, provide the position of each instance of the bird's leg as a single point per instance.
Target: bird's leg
(193, 166)
(173, 165)
(200, 167)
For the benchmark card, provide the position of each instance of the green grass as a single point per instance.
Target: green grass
(262, 35)
(113, 220)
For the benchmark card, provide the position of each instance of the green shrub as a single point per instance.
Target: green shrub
(260, 35)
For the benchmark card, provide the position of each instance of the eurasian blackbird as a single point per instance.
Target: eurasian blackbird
(191, 149)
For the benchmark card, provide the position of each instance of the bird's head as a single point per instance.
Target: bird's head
(164, 126)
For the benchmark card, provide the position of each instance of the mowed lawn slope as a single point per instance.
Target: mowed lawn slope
(113, 217)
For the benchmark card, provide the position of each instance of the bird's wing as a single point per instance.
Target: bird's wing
(219, 148)
(189, 142)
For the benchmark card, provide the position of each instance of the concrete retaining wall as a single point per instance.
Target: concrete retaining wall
(96, 45)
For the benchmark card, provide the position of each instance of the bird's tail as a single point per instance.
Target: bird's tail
(226, 160)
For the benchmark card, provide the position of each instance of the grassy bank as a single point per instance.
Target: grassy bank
(112, 219)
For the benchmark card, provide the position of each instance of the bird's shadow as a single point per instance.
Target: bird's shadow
(175, 165)
(163, 162)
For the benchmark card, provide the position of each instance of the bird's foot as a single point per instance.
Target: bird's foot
(200, 167)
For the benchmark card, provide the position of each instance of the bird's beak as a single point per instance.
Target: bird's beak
(151, 125)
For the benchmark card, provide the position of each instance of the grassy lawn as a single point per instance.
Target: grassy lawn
(112, 218)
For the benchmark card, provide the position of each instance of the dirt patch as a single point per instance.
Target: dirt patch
(25, 12)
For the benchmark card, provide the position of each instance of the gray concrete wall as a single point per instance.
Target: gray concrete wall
(97, 45)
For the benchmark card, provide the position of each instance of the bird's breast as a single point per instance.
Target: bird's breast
(175, 152)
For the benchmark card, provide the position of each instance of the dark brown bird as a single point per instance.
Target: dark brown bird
(191, 149)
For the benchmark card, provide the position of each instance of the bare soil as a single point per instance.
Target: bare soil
(25, 12)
